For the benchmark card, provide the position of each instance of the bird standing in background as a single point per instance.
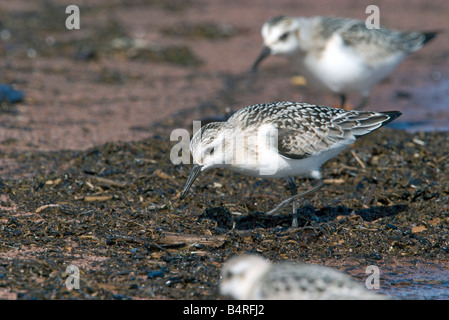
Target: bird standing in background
(340, 55)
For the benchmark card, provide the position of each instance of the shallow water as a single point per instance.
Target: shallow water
(430, 283)
(430, 103)
(428, 109)
(421, 286)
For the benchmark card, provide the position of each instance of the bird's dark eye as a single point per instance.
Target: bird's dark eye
(284, 36)
(211, 151)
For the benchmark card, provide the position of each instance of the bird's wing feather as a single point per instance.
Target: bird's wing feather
(305, 130)
(378, 44)
(373, 46)
(295, 145)
(321, 129)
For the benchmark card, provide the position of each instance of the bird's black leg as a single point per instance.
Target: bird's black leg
(292, 185)
(342, 100)
(294, 191)
(283, 204)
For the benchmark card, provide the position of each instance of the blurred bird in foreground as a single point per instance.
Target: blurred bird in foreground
(251, 277)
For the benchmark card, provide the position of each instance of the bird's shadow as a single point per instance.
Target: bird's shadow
(226, 221)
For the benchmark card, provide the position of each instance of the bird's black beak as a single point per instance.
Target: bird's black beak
(196, 169)
(265, 53)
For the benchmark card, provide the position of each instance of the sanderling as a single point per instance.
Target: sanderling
(280, 140)
(340, 55)
(251, 277)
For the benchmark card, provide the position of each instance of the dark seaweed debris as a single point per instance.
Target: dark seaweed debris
(114, 211)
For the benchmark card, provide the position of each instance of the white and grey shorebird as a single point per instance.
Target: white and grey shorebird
(251, 277)
(280, 140)
(340, 55)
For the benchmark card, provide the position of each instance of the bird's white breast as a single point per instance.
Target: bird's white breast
(340, 69)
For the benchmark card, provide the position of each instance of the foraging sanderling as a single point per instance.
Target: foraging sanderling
(280, 140)
(251, 277)
(340, 55)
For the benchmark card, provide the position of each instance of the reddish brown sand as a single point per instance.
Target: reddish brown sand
(75, 104)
